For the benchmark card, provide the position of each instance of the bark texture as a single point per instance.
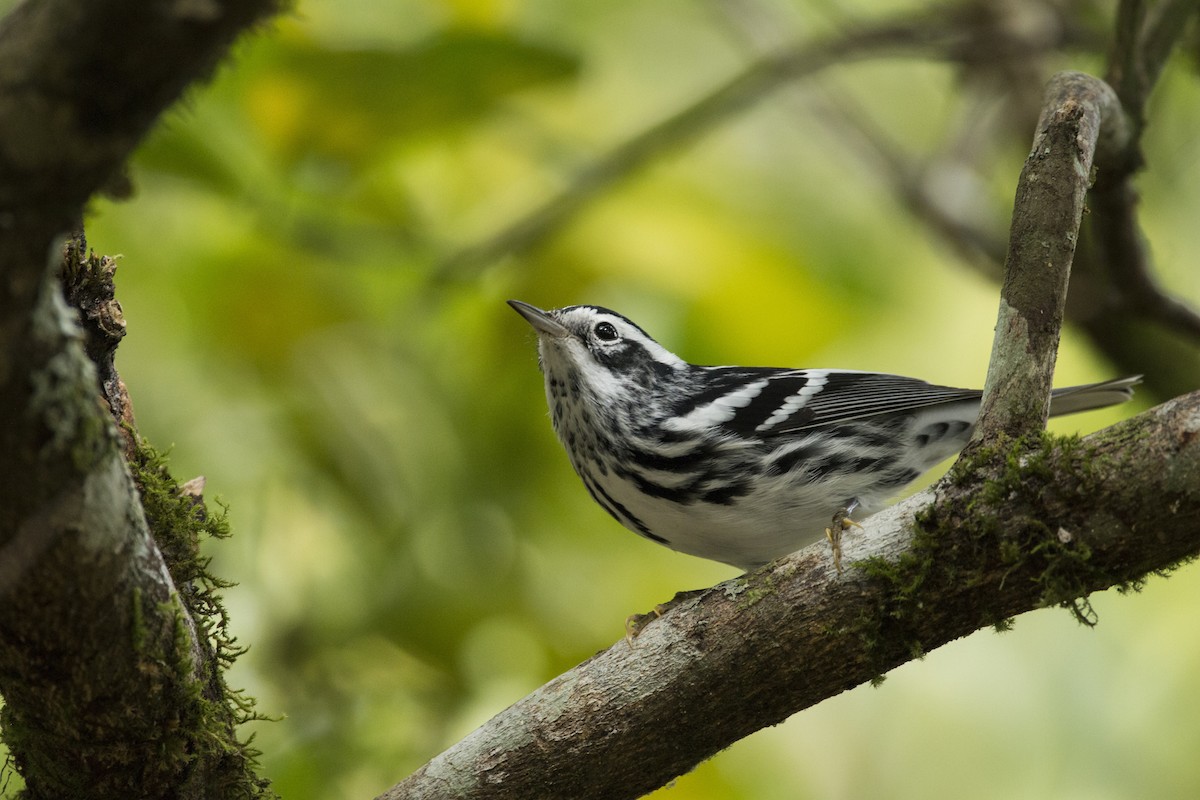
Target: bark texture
(1080, 114)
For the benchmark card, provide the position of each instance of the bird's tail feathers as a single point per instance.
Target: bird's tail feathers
(1072, 399)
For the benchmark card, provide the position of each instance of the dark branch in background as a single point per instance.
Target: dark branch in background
(1114, 296)
(1118, 244)
(1016, 525)
(933, 34)
(1143, 41)
(1125, 310)
(110, 656)
(1165, 25)
(920, 188)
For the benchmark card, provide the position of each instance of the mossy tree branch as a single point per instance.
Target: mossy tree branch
(105, 677)
(1076, 517)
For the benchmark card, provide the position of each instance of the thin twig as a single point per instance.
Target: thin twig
(917, 187)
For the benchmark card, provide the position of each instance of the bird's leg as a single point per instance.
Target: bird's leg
(841, 522)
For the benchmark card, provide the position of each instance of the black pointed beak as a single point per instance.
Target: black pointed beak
(541, 321)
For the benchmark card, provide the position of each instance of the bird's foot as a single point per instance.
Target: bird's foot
(841, 523)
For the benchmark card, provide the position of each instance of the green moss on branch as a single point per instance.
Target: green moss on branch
(1017, 512)
(180, 522)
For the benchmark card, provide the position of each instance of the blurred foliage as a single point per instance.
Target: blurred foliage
(412, 550)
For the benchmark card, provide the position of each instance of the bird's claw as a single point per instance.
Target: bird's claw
(841, 522)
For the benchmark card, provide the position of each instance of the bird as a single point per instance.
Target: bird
(744, 465)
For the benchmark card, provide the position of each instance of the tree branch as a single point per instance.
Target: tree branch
(1081, 114)
(750, 652)
(104, 675)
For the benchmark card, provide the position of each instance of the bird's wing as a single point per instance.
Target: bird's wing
(771, 402)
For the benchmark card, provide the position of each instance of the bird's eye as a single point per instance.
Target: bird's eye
(605, 332)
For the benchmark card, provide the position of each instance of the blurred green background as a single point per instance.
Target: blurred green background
(412, 550)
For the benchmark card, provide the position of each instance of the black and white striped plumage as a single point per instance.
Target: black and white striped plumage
(743, 464)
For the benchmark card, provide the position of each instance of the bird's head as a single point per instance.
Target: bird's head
(597, 346)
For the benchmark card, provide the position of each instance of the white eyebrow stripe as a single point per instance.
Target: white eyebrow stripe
(588, 316)
(659, 353)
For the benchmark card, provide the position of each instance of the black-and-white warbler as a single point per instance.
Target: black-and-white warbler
(744, 464)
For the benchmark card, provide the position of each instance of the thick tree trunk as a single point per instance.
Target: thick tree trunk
(106, 681)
